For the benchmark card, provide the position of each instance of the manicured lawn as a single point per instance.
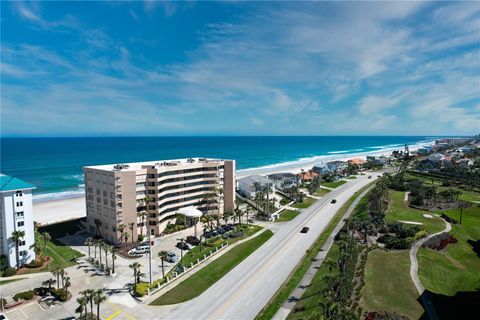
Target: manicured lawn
(62, 255)
(399, 210)
(287, 215)
(321, 192)
(456, 268)
(2, 282)
(194, 254)
(352, 177)
(388, 285)
(206, 277)
(289, 285)
(307, 202)
(334, 184)
(310, 301)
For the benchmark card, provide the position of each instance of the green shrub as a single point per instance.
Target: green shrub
(3, 302)
(420, 234)
(140, 289)
(25, 295)
(284, 201)
(34, 264)
(9, 272)
(60, 294)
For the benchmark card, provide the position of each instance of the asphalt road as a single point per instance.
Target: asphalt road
(245, 290)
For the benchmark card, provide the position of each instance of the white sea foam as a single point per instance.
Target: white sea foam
(44, 197)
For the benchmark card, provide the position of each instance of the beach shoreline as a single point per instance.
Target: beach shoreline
(48, 211)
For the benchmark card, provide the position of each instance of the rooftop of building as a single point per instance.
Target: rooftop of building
(255, 178)
(154, 163)
(281, 175)
(9, 183)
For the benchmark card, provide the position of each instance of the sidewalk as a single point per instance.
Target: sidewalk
(307, 278)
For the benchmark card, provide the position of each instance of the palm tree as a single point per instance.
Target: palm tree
(331, 264)
(140, 275)
(106, 248)
(55, 270)
(142, 215)
(99, 244)
(125, 236)
(135, 267)
(46, 237)
(49, 283)
(88, 242)
(99, 297)
(66, 285)
(82, 304)
(88, 294)
(16, 237)
(113, 251)
(131, 225)
(121, 227)
(37, 248)
(163, 256)
(62, 274)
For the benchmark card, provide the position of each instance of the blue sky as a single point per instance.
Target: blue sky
(235, 68)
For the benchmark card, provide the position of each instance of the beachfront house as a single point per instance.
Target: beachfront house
(283, 181)
(306, 176)
(16, 214)
(436, 158)
(150, 195)
(337, 166)
(250, 185)
(321, 168)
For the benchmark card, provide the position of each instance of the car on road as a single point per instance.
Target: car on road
(183, 246)
(304, 230)
(369, 177)
(194, 241)
(333, 201)
(3, 317)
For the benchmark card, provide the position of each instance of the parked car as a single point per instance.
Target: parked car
(334, 201)
(171, 257)
(142, 249)
(183, 246)
(369, 177)
(211, 234)
(304, 230)
(194, 241)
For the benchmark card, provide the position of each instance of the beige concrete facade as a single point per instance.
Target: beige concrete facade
(116, 194)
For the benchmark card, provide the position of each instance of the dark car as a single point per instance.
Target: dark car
(221, 231)
(334, 201)
(211, 234)
(369, 177)
(182, 246)
(304, 230)
(194, 241)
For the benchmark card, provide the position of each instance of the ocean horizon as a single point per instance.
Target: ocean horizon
(54, 165)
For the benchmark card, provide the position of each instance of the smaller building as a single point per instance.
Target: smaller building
(436, 158)
(307, 176)
(357, 161)
(250, 185)
(465, 162)
(283, 181)
(337, 166)
(16, 214)
(321, 168)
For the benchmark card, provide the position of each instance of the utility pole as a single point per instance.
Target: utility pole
(150, 254)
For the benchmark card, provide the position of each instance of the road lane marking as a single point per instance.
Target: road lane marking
(113, 315)
(114, 306)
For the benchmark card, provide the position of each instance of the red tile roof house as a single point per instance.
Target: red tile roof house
(307, 176)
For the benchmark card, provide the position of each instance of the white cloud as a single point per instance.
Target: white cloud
(372, 104)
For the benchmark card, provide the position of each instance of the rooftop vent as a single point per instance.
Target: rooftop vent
(121, 166)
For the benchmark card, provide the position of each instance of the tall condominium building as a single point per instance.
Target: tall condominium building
(146, 196)
(16, 215)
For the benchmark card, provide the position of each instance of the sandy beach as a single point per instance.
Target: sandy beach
(48, 212)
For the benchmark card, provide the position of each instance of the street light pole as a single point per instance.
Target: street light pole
(150, 255)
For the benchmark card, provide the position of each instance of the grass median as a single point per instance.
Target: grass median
(287, 215)
(203, 279)
(289, 285)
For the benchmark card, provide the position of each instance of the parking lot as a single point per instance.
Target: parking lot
(33, 310)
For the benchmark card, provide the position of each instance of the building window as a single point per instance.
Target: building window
(20, 214)
(18, 194)
(20, 223)
(19, 203)
(105, 194)
(98, 192)
(22, 243)
(90, 190)
(23, 253)
(105, 202)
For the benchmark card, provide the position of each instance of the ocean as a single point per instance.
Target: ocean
(54, 165)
